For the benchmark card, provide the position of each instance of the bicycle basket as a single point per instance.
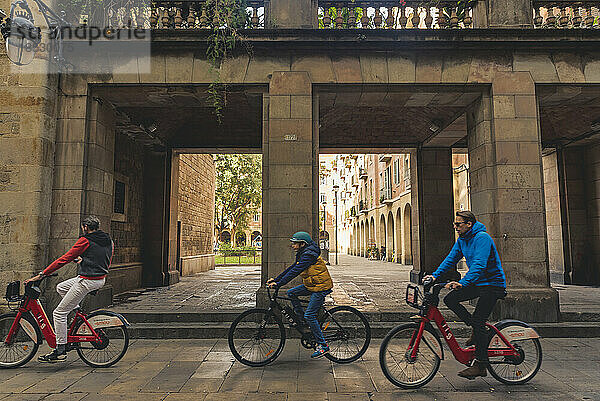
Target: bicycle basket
(13, 291)
(412, 295)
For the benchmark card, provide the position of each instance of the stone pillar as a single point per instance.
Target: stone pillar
(27, 135)
(290, 169)
(432, 209)
(507, 192)
(172, 189)
(553, 217)
(503, 14)
(291, 14)
(574, 214)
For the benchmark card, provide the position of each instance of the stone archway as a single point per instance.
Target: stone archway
(225, 236)
(407, 243)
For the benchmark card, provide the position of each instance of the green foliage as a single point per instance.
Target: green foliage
(238, 192)
(345, 13)
(462, 6)
(227, 17)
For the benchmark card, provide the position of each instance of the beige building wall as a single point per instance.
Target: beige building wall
(196, 207)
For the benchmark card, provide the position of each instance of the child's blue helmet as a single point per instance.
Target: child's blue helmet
(301, 236)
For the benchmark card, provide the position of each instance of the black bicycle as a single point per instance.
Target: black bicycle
(257, 336)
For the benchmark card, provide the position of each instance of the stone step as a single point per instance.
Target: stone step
(182, 330)
(230, 315)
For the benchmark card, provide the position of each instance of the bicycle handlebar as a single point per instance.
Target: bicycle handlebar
(37, 282)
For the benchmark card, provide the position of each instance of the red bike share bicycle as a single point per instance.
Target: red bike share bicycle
(100, 338)
(410, 354)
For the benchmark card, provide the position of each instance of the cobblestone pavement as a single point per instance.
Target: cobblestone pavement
(367, 285)
(204, 370)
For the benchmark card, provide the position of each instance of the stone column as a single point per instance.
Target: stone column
(432, 209)
(290, 169)
(574, 216)
(503, 14)
(507, 192)
(83, 175)
(27, 134)
(291, 14)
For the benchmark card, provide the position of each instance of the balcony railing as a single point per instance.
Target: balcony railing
(394, 14)
(566, 14)
(385, 194)
(362, 174)
(181, 14)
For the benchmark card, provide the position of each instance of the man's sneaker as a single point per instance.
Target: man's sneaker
(320, 351)
(53, 357)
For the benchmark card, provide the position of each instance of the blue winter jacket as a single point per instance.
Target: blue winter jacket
(305, 257)
(483, 260)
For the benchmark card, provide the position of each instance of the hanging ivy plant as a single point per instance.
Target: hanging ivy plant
(225, 17)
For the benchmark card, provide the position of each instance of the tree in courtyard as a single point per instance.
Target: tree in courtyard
(238, 192)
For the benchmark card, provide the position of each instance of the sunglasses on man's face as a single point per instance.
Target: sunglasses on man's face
(458, 223)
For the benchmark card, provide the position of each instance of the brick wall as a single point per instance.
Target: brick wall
(129, 163)
(196, 203)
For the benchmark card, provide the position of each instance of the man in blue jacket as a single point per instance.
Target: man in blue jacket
(484, 280)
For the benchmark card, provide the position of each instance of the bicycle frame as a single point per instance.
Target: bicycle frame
(275, 305)
(462, 355)
(34, 307)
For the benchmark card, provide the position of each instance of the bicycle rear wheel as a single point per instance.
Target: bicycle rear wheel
(22, 346)
(516, 370)
(347, 332)
(256, 337)
(114, 341)
(395, 356)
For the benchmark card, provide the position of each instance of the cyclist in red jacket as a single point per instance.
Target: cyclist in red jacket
(93, 253)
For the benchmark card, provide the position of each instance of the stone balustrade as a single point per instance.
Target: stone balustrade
(566, 14)
(388, 14)
(182, 14)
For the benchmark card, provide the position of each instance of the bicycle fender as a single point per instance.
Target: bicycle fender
(102, 319)
(515, 330)
(437, 336)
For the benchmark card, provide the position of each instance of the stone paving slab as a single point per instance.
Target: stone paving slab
(162, 370)
(372, 286)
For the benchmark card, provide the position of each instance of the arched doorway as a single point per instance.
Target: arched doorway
(256, 239)
(390, 247)
(381, 236)
(225, 236)
(407, 251)
(398, 226)
(240, 239)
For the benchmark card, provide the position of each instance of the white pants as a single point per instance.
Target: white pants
(72, 292)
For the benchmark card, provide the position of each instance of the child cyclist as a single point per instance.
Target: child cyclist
(316, 282)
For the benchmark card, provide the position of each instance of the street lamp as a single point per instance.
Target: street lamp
(21, 35)
(336, 187)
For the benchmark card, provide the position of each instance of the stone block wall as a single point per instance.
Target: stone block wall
(592, 192)
(27, 135)
(127, 234)
(196, 204)
(553, 214)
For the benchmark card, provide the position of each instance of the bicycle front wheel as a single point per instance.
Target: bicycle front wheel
(22, 347)
(395, 356)
(256, 337)
(113, 343)
(347, 332)
(516, 370)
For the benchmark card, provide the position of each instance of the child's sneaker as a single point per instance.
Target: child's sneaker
(320, 351)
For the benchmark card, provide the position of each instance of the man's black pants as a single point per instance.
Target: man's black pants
(488, 295)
